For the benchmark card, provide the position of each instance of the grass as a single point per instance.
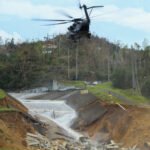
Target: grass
(78, 84)
(102, 91)
(134, 96)
(5, 109)
(2, 94)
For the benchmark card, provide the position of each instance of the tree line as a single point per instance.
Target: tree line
(31, 63)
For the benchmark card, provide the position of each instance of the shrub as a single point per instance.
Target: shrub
(2, 94)
(146, 88)
(122, 78)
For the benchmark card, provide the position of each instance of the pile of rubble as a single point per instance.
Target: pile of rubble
(40, 142)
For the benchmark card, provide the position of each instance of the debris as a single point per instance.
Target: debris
(84, 143)
(112, 146)
(37, 140)
(82, 92)
(121, 107)
(147, 144)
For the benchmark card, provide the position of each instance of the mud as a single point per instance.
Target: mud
(129, 127)
(13, 129)
(104, 122)
(11, 102)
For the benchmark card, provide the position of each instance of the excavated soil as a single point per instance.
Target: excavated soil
(104, 122)
(15, 124)
(13, 129)
(11, 102)
(131, 127)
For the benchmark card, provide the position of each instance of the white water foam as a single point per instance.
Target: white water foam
(57, 111)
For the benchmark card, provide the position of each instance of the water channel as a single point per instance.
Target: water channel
(55, 110)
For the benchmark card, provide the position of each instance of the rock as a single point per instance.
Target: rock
(37, 140)
(83, 139)
(147, 145)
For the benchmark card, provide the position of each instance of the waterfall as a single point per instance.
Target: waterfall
(57, 111)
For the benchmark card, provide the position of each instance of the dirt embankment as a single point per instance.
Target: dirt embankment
(15, 123)
(104, 122)
(129, 127)
(10, 102)
(13, 129)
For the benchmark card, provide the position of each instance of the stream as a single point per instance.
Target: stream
(56, 110)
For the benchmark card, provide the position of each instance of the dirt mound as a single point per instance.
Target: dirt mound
(15, 123)
(13, 129)
(85, 104)
(10, 102)
(129, 127)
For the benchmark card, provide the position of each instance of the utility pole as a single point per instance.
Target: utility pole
(68, 64)
(59, 40)
(108, 66)
(133, 74)
(135, 81)
(108, 71)
(77, 51)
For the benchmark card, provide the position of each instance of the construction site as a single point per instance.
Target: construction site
(74, 75)
(71, 120)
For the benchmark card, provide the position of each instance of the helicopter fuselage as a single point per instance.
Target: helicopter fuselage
(80, 28)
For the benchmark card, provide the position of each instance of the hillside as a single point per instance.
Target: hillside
(130, 127)
(36, 63)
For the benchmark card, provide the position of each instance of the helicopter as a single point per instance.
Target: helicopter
(80, 26)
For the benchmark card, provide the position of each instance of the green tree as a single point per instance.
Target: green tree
(146, 88)
(122, 78)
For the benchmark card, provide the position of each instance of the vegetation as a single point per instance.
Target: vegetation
(21, 66)
(106, 91)
(146, 88)
(2, 94)
(122, 78)
(78, 84)
(36, 63)
(102, 92)
(5, 109)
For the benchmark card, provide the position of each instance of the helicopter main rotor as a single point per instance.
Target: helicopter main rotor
(71, 19)
(80, 26)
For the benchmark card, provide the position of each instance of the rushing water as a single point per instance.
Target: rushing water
(58, 111)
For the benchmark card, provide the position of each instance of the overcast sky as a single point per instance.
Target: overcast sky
(126, 21)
